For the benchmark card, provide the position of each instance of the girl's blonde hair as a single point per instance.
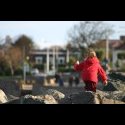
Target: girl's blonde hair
(91, 53)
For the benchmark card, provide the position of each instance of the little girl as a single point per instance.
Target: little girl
(90, 68)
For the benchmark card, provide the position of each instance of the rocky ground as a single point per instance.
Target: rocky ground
(114, 93)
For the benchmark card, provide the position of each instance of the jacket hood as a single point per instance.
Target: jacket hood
(93, 60)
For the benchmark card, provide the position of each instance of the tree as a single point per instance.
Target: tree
(12, 54)
(13, 58)
(2, 62)
(87, 32)
(69, 46)
(8, 40)
(24, 42)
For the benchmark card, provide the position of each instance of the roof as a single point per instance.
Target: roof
(115, 43)
(121, 47)
(112, 44)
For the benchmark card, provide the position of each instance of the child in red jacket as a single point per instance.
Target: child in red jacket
(90, 68)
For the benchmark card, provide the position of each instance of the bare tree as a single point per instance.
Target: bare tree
(87, 32)
(13, 57)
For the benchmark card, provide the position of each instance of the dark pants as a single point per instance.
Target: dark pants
(61, 83)
(90, 86)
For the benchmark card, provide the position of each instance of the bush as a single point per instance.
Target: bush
(40, 67)
(5, 70)
(65, 70)
(100, 54)
(121, 56)
(18, 72)
(8, 73)
(28, 74)
(2, 73)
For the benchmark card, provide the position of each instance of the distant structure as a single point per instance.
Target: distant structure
(50, 57)
(116, 51)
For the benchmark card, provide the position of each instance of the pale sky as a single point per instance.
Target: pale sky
(47, 33)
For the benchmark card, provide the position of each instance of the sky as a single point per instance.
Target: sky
(48, 33)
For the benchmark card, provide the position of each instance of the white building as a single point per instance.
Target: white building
(119, 56)
(51, 58)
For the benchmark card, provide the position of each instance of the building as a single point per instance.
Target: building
(50, 58)
(116, 48)
(119, 56)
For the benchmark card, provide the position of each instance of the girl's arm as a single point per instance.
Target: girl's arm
(103, 75)
(79, 67)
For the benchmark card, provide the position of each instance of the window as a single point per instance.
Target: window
(39, 60)
(61, 60)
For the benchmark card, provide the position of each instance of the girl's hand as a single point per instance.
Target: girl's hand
(106, 83)
(77, 62)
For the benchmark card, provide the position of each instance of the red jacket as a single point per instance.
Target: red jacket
(90, 69)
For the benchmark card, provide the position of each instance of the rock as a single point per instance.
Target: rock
(48, 99)
(10, 87)
(81, 98)
(3, 97)
(90, 98)
(123, 99)
(117, 76)
(29, 99)
(116, 95)
(66, 100)
(102, 93)
(56, 94)
(11, 97)
(115, 85)
(51, 96)
(102, 97)
(43, 99)
(111, 101)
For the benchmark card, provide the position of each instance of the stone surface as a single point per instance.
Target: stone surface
(111, 101)
(56, 94)
(10, 87)
(81, 98)
(117, 76)
(3, 97)
(29, 99)
(74, 95)
(114, 85)
(90, 98)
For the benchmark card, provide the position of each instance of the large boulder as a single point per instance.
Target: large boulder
(81, 98)
(29, 99)
(115, 85)
(117, 76)
(3, 97)
(116, 95)
(56, 94)
(11, 87)
(53, 92)
(90, 98)
(49, 96)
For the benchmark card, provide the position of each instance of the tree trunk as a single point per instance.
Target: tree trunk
(11, 68)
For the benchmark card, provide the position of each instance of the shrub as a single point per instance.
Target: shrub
(40, 67)
(121, 56)
(100, 54)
